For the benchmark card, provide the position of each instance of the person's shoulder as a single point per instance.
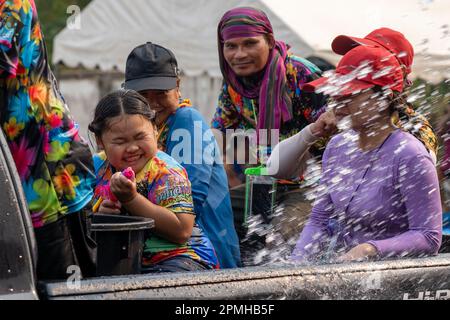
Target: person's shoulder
(160, 166)
(99, 160)
(188, 118)
(165, 168)
(341, 144)
(405, 146)
(189, 112)
(99, 157)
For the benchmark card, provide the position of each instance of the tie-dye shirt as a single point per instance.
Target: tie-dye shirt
(54, 163)
(165, 183)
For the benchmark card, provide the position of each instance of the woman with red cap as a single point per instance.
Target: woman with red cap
(379, 183)
(261, 90)
(396, 43)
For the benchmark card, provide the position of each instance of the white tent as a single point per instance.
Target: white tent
(110, 29)
(425, 23)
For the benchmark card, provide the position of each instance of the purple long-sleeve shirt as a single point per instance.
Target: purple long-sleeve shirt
(397, 207)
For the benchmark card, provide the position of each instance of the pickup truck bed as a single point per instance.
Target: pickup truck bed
(426, 278)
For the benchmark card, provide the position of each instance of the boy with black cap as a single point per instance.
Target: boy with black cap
(152, 70)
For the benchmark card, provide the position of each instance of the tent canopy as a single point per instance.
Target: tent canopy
(425, 23)
(110, 29)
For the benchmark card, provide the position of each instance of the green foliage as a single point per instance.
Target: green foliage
(431, 99)
(53, 17)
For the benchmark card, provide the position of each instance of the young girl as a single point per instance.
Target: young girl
(125, 131)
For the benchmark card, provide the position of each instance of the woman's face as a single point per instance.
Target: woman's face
(163, 102)
(364, 109)
(247, 56)
(129, 141)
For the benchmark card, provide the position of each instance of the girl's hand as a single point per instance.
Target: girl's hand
(123, 188)
(361, 252)
(110, 207)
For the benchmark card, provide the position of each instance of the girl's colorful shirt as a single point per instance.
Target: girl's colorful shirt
(53, 161)
(165, 183)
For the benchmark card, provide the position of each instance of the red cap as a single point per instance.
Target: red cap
(392, 40)
(361, 68)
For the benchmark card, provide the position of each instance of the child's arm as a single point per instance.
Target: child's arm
(173, 227)
(176, 228)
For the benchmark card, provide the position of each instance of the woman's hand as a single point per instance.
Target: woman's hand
(326, 125)
(109, 207)
(123, 188)
(361, 252)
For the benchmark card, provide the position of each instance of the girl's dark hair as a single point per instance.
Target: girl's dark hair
(118, 103)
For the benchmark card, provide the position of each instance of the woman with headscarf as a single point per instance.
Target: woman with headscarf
(261, 90)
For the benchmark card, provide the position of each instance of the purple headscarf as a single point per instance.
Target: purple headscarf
(274, 102)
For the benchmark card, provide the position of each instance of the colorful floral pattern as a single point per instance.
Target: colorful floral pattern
(54, 163)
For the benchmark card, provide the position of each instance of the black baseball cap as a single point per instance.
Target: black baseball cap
(151, 67)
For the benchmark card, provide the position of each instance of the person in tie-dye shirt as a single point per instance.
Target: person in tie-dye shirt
(125, 131)
(54, 163)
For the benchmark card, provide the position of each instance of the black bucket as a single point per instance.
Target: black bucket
(120, 242)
